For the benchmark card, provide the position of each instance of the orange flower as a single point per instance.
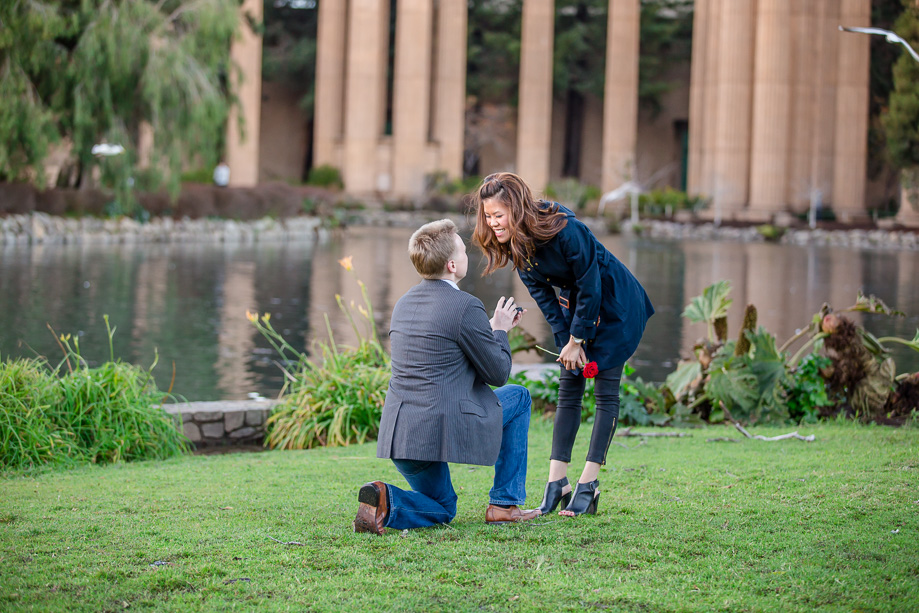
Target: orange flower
(346, 263)
(253, 317)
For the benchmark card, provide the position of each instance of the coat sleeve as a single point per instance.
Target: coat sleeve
(579, 248)
(547, 301)
(488, 350)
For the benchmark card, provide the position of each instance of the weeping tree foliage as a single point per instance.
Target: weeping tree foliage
(97, 70)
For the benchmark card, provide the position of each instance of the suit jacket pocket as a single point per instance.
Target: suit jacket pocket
(472, 408)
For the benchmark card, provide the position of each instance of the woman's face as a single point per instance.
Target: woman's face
(497, 217)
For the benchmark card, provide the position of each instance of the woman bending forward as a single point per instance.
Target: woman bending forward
(598, 315)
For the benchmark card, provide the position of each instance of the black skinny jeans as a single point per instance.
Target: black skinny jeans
(568, 414)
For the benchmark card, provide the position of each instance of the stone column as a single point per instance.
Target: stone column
(365, 92)
(735, 97)
(771, 107)
(330, 83)
(245, 52)
(450, 85)
(851, 152)
(827, 38)
(697, 91)
(620, 94)
(534, 120)
(411, 95)
(804, 68)
(710, 99)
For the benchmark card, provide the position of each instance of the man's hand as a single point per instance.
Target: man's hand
(506, 315)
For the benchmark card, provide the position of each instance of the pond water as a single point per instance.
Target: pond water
(187, 303)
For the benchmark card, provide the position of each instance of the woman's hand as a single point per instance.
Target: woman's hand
(506, 315)
(572, 356)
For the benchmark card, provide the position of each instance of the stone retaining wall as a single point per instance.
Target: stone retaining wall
(40, 228)
(226, 422)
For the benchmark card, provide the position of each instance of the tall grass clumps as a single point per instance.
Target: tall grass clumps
(29, 434)
(337, 401)
(73, 413)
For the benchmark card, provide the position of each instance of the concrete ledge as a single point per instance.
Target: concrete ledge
(223, 422)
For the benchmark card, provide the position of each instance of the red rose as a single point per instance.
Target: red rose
(590, 370)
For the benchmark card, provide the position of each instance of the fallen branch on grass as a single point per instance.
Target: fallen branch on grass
(722, 439)
(809, 438)
(287, 542)
(636, 446)
(628, 432)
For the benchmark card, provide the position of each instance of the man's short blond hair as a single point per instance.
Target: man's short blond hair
(431, 247)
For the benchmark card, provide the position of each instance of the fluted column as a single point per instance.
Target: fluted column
(534, 120)
(735, 93)
(804, 68)
(450, 85)
(246, 52)
(771, 106)
(827, 39)
(710, 99)
(365, 92)
(620, 93)
(852, 114)
(330, 83)
(697, 91)
(411, 94)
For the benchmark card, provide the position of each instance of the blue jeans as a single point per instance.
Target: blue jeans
(432, 500)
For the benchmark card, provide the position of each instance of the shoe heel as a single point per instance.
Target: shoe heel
(369, 495)
(553, 496)
(592, 507)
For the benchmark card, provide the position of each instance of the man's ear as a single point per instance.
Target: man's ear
(451, 266)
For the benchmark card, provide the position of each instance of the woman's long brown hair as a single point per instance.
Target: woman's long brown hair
(530, 222)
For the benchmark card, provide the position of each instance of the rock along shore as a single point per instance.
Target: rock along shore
(41, 228)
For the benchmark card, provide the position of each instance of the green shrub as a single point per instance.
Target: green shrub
(200, 175)
(112, 413)
(771, 233)
(325, 176)
(544, 394)
(439, 182)
(338, 401)
(807, 392)
(667, 201)
(115, 415)
(572, 193)
(29, 435)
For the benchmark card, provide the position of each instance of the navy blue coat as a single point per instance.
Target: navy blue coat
(599, 299)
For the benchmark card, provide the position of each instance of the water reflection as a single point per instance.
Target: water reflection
(188, 302)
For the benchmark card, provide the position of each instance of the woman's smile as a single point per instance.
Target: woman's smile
(497, 218)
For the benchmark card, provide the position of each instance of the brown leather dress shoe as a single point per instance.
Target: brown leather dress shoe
(499, 515)
(373, 509)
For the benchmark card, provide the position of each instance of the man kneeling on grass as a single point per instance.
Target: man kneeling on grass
(439, 407)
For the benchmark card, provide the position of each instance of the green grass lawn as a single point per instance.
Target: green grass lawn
(684, 525)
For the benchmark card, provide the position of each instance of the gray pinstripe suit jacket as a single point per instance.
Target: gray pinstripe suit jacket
(439, 406)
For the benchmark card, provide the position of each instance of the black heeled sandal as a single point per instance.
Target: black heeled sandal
(554, 495)
(585, 499)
